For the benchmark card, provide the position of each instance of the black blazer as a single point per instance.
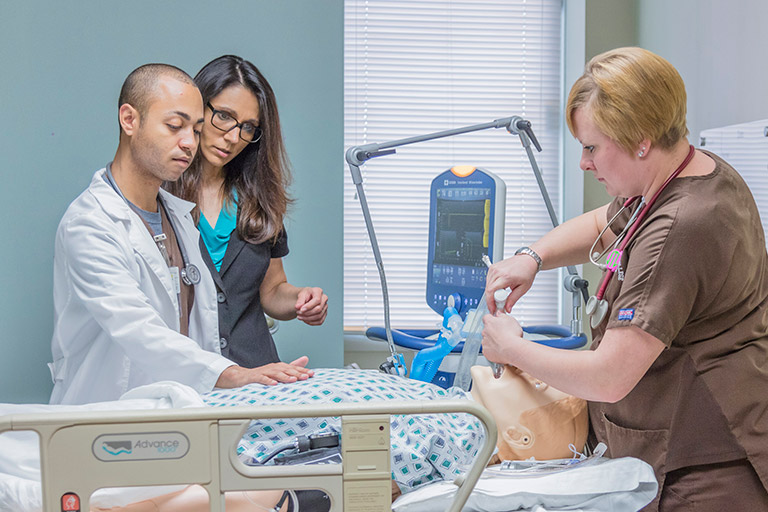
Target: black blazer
(243, 332)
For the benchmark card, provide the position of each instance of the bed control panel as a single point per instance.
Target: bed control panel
(365, 452)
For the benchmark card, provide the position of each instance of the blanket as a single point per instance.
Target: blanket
(423, 448)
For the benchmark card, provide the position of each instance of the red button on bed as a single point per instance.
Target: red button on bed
(70, 502)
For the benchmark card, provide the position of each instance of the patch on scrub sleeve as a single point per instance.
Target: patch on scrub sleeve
(626, 314)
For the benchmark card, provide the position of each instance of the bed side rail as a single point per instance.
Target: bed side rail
(83, 452)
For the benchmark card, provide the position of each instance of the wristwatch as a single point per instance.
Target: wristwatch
(530, 252)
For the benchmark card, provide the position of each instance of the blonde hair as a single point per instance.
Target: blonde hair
(632, 94)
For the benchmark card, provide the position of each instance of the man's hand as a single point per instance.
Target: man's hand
(311, 306)
(269, 374)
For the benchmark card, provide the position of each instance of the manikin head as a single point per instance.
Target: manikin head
(532, 418)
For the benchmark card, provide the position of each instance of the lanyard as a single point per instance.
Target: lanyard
(189, 272)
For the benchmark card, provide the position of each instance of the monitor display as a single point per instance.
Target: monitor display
(466, 220)
(461, 237)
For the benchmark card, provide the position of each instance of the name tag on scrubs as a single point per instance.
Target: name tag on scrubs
(176, 278)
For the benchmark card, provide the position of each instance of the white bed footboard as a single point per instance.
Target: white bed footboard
(83, 452)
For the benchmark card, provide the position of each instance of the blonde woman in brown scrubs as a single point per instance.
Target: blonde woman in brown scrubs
(678, 371)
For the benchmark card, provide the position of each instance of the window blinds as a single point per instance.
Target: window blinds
(420, 66)
(745, 147)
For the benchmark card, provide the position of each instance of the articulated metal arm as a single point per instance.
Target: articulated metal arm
(358, 155)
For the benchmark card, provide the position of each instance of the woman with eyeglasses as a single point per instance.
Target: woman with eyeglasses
(238, 180)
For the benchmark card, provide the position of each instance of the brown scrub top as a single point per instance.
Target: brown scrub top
(696, 278)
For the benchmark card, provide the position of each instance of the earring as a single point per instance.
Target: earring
(641, 152)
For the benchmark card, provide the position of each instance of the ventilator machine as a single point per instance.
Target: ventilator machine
(466, 233)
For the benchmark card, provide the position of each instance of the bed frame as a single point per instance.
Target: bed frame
(83, 452)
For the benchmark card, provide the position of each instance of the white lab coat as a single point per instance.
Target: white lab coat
(116, 323)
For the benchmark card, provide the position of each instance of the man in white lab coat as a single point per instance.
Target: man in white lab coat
(129, 307)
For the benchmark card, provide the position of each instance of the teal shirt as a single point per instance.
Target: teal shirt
(216, 238)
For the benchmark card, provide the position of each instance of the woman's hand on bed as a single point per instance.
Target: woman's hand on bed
(269, 374)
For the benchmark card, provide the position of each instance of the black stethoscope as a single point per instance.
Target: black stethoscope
(597, 306)
(189, 274)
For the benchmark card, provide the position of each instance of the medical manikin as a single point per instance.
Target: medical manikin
(195, 499)
(532, 418)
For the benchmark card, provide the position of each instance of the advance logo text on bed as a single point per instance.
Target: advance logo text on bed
(140, 446)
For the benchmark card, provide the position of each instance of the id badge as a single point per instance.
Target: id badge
(176, 278)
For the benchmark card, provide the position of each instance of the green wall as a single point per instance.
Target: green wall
(719, 49)
(608, 24)
(62, 67)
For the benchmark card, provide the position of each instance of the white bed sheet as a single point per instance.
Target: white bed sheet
(626, 484)
(20, 454)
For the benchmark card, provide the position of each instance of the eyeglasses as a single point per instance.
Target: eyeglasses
(223, 121)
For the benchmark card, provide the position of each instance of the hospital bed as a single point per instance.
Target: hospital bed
(85, 451)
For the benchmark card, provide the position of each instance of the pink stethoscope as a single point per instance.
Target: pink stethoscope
(597, 306)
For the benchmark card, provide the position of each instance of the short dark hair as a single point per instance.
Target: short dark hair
(139, 87)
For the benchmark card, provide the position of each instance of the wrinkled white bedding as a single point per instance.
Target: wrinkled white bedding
(607, 485)
(20, 455)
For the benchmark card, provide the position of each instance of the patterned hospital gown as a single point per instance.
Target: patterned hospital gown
(425, 448)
